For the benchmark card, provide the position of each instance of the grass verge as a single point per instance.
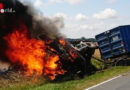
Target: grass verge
(74, 84)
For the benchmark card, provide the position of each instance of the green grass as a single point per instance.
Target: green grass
(97, 64)
(79, 84)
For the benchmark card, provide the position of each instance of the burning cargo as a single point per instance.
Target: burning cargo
(31, 47)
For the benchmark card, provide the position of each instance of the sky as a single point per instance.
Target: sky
(85, 18)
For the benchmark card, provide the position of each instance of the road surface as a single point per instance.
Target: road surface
(121, 82)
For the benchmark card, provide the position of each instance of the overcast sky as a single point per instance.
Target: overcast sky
(86, 17)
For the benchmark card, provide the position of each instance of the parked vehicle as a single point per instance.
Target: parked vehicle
(115, 42)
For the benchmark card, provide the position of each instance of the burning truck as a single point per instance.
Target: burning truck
(34, 47)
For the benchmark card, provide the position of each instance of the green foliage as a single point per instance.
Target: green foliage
(91, 39)
(83, 38)
(88, 39)
(97, 64)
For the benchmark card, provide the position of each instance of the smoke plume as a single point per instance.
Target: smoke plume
(44, 26)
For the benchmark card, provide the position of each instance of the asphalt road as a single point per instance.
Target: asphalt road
(119, 83)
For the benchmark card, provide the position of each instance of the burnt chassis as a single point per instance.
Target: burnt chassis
(81, 65)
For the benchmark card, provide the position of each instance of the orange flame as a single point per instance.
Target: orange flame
(51, 65)
(70, 51)
(62, 42)
(73, 54)
(30, 53)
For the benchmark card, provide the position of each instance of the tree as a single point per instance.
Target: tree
(83, 38)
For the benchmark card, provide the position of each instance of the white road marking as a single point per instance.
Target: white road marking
(103, 82)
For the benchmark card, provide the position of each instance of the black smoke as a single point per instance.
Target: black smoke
(37, 28)
(11, 20)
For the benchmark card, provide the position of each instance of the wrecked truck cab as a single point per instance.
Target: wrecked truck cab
(87, 50)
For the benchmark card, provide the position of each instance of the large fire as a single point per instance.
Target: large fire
(34, 46)
(30, 53)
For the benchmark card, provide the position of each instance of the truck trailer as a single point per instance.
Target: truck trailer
(114, 43)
